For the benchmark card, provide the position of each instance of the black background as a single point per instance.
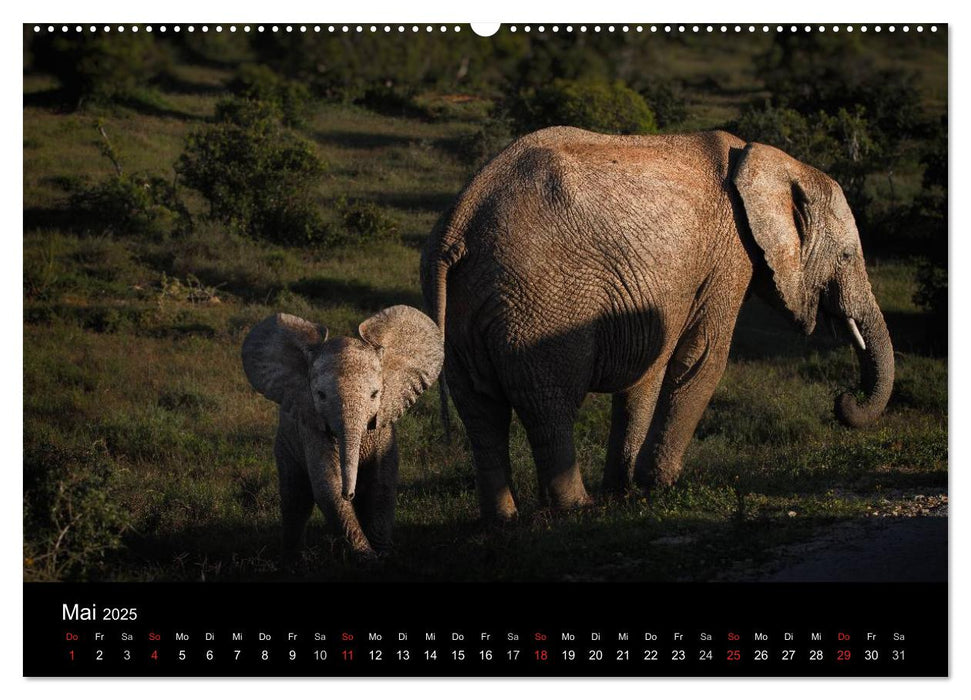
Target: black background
(918, 610)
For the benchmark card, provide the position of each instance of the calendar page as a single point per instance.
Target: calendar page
(448, 350)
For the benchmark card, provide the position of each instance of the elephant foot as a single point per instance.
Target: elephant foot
(382, 548)
(570, 500)
(502, 510)
(647, 487)
(566, 492)
(366, 558)
(656, 477)
(496, 502)
(575, 503)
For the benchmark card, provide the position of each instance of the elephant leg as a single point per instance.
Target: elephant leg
(631, 415)
(486, 419)
(692, 374)
(630, 420)
(376, 496)
(296, 502)
(550, 431)
(338, 511)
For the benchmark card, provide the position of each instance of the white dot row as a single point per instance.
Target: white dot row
(387, 29)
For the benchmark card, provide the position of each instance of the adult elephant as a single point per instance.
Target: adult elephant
(578, 262)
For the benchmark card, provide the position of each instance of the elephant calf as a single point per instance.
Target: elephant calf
(577, 262)
(339, 399)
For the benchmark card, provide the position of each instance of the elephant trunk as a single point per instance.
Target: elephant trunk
(875, 352)
(350, 453)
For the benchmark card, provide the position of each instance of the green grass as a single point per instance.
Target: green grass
(132, 355)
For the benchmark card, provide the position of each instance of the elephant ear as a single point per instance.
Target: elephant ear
(277, 354)
(412, 351)
(774, 187)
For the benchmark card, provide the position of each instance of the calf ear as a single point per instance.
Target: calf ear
(277, 354)
(412, 350)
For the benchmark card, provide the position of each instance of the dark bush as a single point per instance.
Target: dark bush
(930, 221)
(840, 145)
(258, 176)
(71, 519)
(477, 148)
(609, 107)
(102, 67)
(214, 48)
(668, 103)
(259, 83)
(139, 205)
(931, 291)
(392, 100)
(818, 71)
(343, 68)
(362, 222)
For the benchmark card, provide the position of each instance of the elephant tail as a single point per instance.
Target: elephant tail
(441, 254)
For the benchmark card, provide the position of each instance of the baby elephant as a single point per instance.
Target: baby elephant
(339, 399)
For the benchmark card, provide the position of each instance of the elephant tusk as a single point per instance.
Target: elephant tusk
(856, 333)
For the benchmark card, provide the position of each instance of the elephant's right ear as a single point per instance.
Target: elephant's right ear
(772, 185)
(277, 355)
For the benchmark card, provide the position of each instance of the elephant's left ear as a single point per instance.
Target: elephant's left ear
(773, 188)
(412, 352)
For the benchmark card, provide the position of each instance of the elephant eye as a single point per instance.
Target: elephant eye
(321, 395)
(374, 394)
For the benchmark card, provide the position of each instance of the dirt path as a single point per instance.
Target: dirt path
(899, 549)
(906, 540)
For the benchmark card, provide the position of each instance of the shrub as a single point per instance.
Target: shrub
(363, 222)
(931, 291)
(596, 105)
(391, 100)
(841, 145)
(818, 71)
(219, 48)
(477, 148)
(667, 102)
(139, 205)
(930, 224)
(100, 66)
(257, 176)
(71, 519)
(259, 83)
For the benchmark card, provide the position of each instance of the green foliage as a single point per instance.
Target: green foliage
(139, 204)
(609, 107)
(820, 71)
(363, 222)
(392, 100)
(72, 518)
(258, 177)
(343, 68)
(667, 101)
(840, 144)
(99, 66)
(929, 217)
(218, 48)
(489, 138)
(932, 289)
(260, 83)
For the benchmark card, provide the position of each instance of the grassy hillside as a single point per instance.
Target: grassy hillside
(138, 420)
